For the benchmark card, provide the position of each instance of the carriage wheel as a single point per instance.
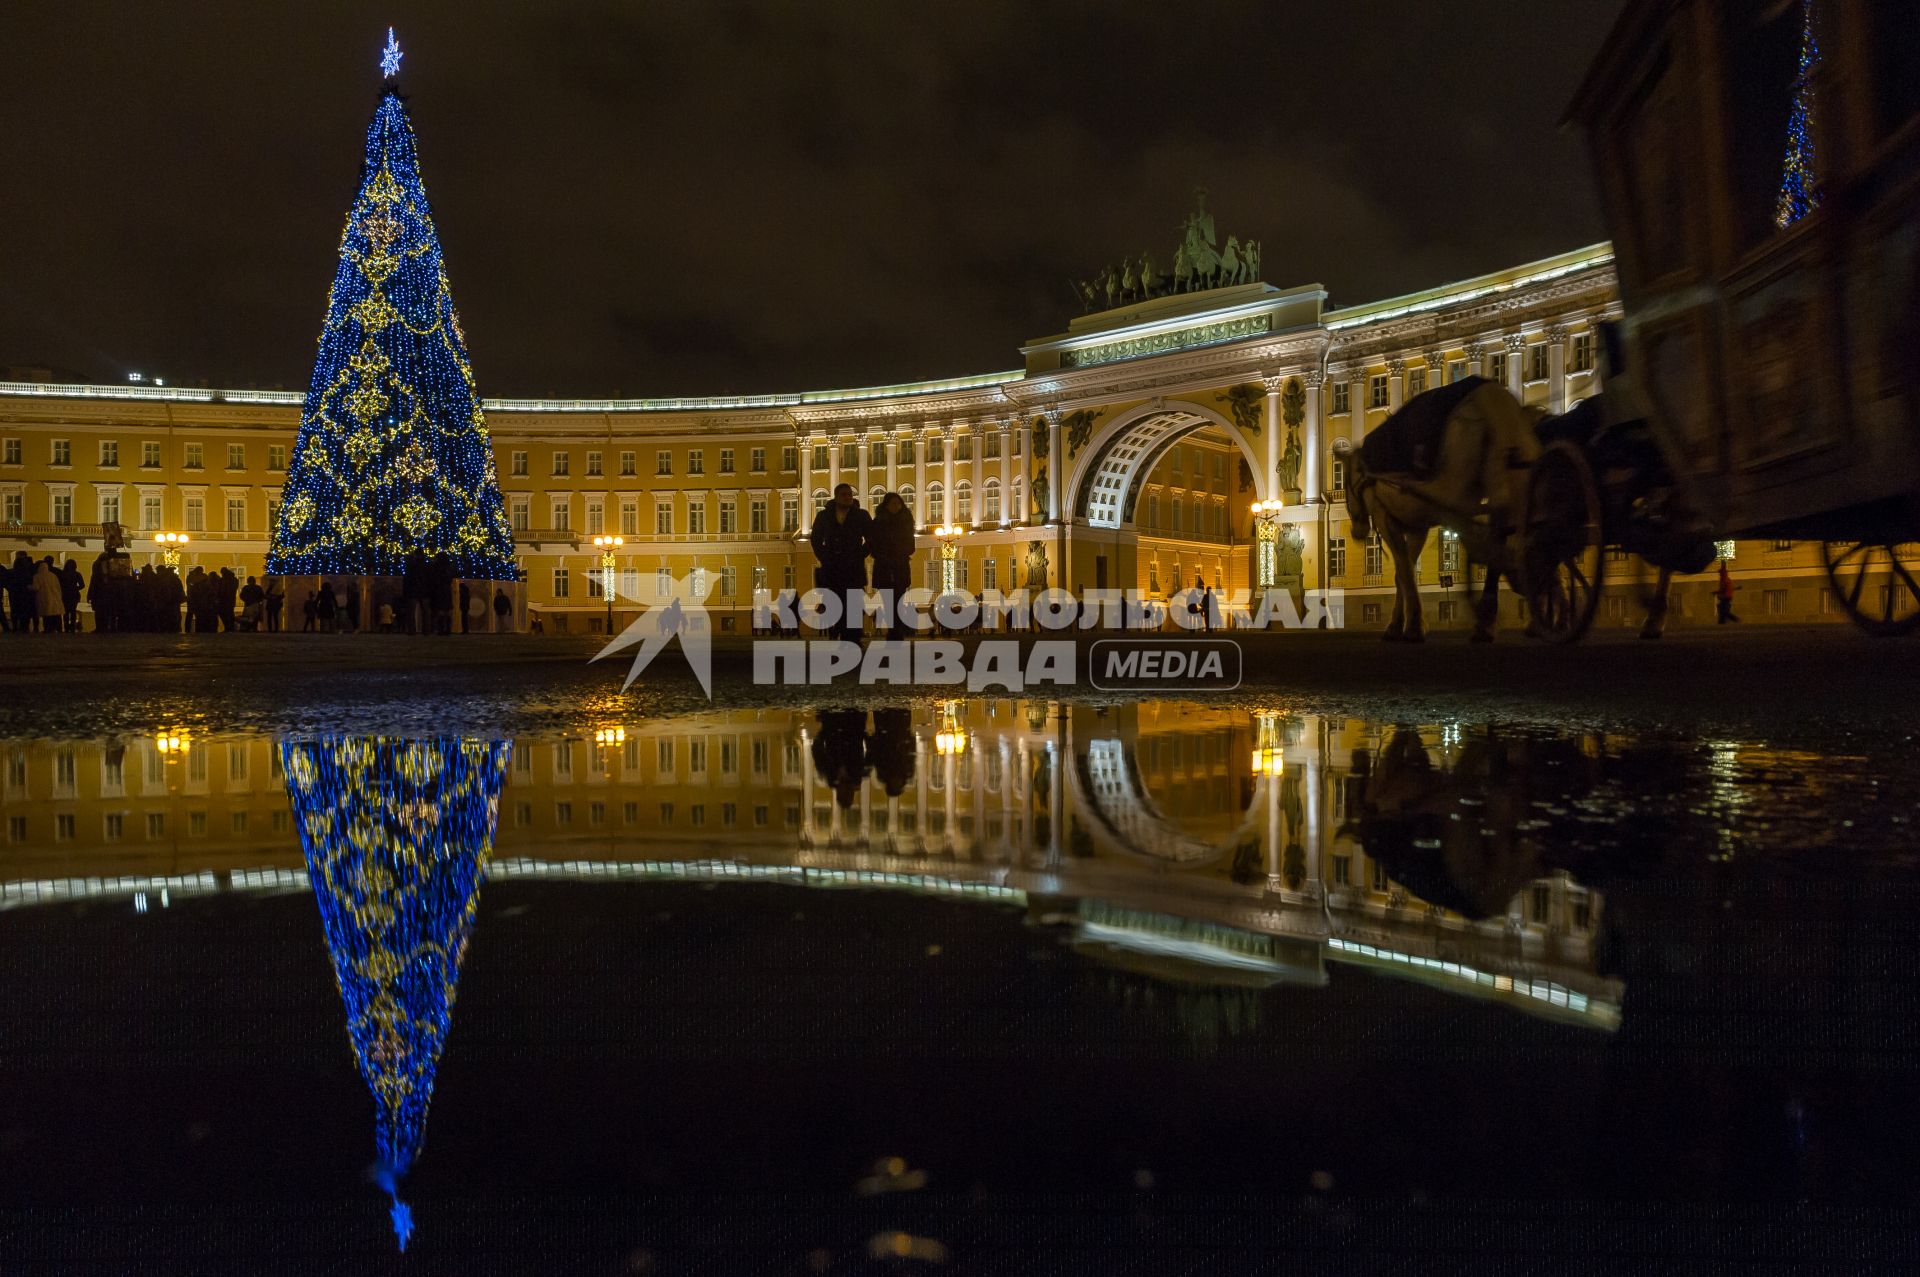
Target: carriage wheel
(1562, 552)
(1877, 583)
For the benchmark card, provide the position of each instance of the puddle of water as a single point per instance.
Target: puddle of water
(945, 950)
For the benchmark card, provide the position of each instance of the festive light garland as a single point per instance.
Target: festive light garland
(1799, 183)
(393, 453)
(397, 835)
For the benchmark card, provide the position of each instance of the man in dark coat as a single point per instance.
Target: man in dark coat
(890, 542)
(226, 594)
(839, 540)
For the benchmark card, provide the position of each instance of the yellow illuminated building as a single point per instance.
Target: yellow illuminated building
(1128, 452)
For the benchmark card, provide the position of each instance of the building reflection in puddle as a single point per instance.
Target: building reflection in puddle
(397, 835)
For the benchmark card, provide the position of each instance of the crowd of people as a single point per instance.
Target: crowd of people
(44, 597)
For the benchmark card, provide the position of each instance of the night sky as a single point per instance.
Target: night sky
(717, 197)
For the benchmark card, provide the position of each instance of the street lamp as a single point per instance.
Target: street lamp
(951, 736)
(607, 546)
(949, 534)
(170, 543)
(1266, 535)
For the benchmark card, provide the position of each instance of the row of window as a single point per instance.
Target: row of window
(110, 509)
(1539, 367)
(193, 455)
(113, 825)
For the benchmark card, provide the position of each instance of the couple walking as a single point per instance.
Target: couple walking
(844, 537)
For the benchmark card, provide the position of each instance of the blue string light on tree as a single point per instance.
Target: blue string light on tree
(393, 453)
(397, 835)
(1799, 183)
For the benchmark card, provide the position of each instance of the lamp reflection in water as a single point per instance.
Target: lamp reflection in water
(397, 834)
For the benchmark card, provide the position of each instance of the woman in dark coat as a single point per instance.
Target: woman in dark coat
(890, 542)
(72, 585)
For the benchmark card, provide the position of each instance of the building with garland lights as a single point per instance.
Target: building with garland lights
(1129, 451)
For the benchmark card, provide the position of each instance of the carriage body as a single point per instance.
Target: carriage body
(1771, 347)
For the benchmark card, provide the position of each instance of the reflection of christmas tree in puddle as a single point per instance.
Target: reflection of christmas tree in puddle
(397, 834)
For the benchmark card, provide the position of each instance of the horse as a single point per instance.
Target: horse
(1232, 269)
(1456, 457)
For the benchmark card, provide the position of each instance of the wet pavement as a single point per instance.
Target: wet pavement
(558, 980)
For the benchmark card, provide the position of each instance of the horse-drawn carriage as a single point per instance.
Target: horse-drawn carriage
(1759, 162)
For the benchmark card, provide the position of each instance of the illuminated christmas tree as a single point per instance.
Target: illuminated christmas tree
(393, 453)
(1799, 183)
(397, 835)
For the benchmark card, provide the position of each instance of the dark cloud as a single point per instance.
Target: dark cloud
(717, 197)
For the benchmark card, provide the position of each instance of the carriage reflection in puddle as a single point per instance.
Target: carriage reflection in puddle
(1764, 382)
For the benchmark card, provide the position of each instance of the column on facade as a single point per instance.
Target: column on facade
(920, 480)
(1273, 424)
(806, 788)
(1312, 444)
(1556, 369)
(1396, 384)
(833, 462)
(1005, 427)
(1056, 501)
(948, 510)
(860, 444)
(976, 445)
(920, 817)
(1356, 405)
(1517, 364)
(1476, 359)
(806, 479)
(892, 444)
(1436, 369)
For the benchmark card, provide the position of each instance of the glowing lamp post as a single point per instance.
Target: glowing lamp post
(607, 546)
(170, 543)
(951, 738)
(1266, 535)
(949, 534)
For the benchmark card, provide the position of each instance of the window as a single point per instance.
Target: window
(1375, 554)
(627, 462)
(1343, 870)
(1582, 352)
(10, 506)
(1176, 515)
(757, 459)
(519, 463)
(521, 520)
(1342, 397)
(990, 446)
(1497, 367)
(963, 448)
(936, 504)
(595, 590)
(696, 517)
(62, 452)
(562, 514)
(963, 502)
(990, 501)
(149, 512)
(276, 456)
(561, 463)
(596, 518)
(630, 518)
(849, 456)
(1537, 362)
(1370, 613)
(790, 457)
(1336, 556)
(726, 461)
(236, 514)
(936, 451)
(1783, 545)
(1416, 381)
(273, 513)
(759, 579)
(729, 520)
(904, 452)
(729, 582)
(819, 456)
(663, 463)
(236, 456)
(593, 463)
(663, 588)
(757, 515)
(196, 514)
(1456, 371)
(990, 574)
(663, 518)
(559, 583)
(109, 507)
(149, 455)
(12, 453)
(1377, 390)
(1776, 601)
(109, 452)
(1449, 552)
(696, 461)
(790, 512)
